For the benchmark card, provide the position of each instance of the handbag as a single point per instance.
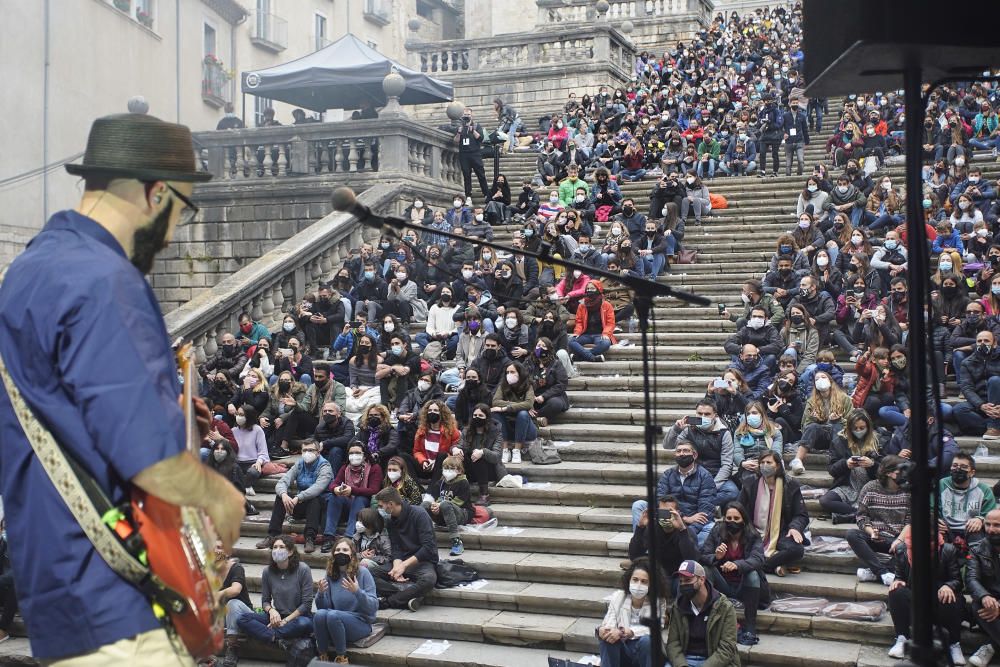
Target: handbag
(687, 256)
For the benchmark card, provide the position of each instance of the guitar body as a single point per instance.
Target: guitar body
(180, 547)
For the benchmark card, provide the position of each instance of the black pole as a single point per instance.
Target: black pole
(643, 308)
(921, 579)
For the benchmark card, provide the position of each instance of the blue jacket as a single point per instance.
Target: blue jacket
(695, 493)
(757, 378)
(796, 120)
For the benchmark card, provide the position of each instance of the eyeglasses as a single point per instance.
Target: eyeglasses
(190, 210)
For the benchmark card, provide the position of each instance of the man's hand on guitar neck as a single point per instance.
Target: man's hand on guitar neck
(202, 415)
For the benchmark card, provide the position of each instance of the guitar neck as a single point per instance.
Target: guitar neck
(186, 365)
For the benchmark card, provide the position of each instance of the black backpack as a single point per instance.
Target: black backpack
(453, 572)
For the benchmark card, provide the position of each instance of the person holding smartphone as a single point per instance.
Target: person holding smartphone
(854, 458)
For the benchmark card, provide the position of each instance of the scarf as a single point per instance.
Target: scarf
(772, 529)
(373, 441)
(357, 477)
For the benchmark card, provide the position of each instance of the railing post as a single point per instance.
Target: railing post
(602, 46)
(435, 165)
(394, 152)
(217, 160)
(298, 158)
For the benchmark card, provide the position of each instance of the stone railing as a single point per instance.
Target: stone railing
(394, 145)
(554, 12)
(581, 43)
(274, 283)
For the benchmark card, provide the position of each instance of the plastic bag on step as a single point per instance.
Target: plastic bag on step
(832, 546)
(810, 492)
(872, 610)
(511, 482)
(799, 605)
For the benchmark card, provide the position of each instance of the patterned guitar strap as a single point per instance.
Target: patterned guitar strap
(85, 500)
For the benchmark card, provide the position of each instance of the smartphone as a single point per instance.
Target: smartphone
(285, 351)
(694, 420)
(855, 458)
(718, 383)
(722, 308)
(355, 324)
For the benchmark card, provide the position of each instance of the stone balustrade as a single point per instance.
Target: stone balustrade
(271, 285)
(579, 11)
(578, 44)
(395, 144)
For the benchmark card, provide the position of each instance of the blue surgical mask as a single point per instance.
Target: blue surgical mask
(890, 244)
(384, 514)
(754, 420)
(369, 275)
(397, 350)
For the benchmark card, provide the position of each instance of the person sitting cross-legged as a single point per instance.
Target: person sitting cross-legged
(311, 476)
(883, 513)
(595, 325)
(774, 503)
(345, 603)
(235, 595)
(286, 595)
(414, 553)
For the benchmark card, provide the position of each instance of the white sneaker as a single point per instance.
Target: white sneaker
(250, 491)
(505, 457)
(956, 654)
(888, 578)
(515, 456)
(898, 649)
(796, 467)
(982, 657)
(864, 574)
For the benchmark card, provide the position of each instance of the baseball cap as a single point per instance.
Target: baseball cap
(690, 568)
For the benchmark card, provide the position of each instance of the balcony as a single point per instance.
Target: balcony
(270, 32)
(215, 88)
(378, 12)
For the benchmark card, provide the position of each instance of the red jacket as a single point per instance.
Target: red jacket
(448, 439)
(868, 372)
(370, 484)
(607, 317)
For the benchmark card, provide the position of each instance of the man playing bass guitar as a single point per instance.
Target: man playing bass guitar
(84, 342)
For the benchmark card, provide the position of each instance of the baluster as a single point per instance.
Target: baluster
(423, 62)
(434, 62)
(315, 275)
(255, 309)
(428, 158)
(210, 345)
(325, 267)
(352, 157)
(278, 299)
(266, 306)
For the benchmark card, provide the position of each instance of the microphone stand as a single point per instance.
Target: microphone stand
(644, 293)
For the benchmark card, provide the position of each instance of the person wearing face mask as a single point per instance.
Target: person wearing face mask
(812, 198)
(228, 360)
(235, 595)
(482, 450)
(633, 222)
(371, 540)
(295, 362)
(876, 380)
(549, 380)
(848, 199)
(437, 433)
(260, 357)
(403, 298)
(733, 557)
(605, 194)
(287, 592)
(346, 603)
(713, 442)
(250, 332)
(513, 334)
(753, 294)
(512, 400)
(449, 500)
(702, 622)
(440, 328)
(334, 433)
(825, 415)
(289, 329)
(310, 475)
(755, 372)
(962, 341)
(222, 459)
(397, 371)
(371, 293)
(982, 583)
(595, 325)
(795, 130)
(778, 513)
(469, 138)
(854, 457)
(498, 202)
(478, 227)
(883, 513)
(570, 184)
(761, 334)
(965, 501)
(527, 201)
(550, 207)
(352, 489)
(754, 435)
(323, 390)
(624, 638)
(408, 411)
(419, 213)
(696, 199)
(819, 307)
(979, 414)
(414, 553)
(287, 416)
(885, 207)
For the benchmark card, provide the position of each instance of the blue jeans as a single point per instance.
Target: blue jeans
(699, 532)
(891, 415)
(255, 623)
(336, 505)
(985, 144)
(972, 421)
(336, 628)
(451, 345)
(512, 134)
(600, 343)
(885, 220)
(652, 265)
(519, 428)
(957, 357)
(234, 609)
(701, 168)
(726, 492)
(632, 174)
(630, 652)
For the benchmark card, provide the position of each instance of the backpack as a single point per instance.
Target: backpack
(603, 213)
(718, 201)
(453, 572)
(543, 453)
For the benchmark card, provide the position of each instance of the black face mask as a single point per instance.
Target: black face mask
(472, 384)
(984, 350)
(445, 299)
(751, 362)
(374, 421)
(341, 560)
(949, 291)
(687, 590)
(798, 320)
(364, 349)
(284, 385)
(479, 422)
(491, 354)
(321, 383)
(733, 527)
(628, 211)
(684, 460)
(650, 233)
(785, 272)
(229, 350)
(960, 476)
(433, 417)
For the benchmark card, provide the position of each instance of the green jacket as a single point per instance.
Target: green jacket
(775, 313)
(721, 635)
(567, 190)
(711, 147)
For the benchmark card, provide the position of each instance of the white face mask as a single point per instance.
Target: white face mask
(457, 203)
(289, 327)
(690, 180)
(887, 186)
(745, 298)
(479, 217)
(466, 273)
(973, 179)
(512, 378)
(577, 273)
(803, 224)
(449, 475)
(822, 261)
(241, 420)
(309, 457)
(356, 459)
(638, 591)
(944, 266)
(811, 188)
(857, 240)
(579, 199)
(423, 385)
(418, 204)
(963, 205)
(553, 198)
(220, 455)
(756, 323)
(394, 475)
(390, 326)
(511, 323)
(359, 527)
(822, 383)
(400, 275)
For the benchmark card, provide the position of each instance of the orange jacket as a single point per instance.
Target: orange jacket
(448, 439)
(607, 316)
(868, 371)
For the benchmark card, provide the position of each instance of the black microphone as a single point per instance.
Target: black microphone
(345, 201)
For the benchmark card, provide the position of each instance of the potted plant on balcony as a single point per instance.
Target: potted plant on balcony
(123, 5)
(144, 18)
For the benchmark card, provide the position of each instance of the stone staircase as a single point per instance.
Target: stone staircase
(553, 559)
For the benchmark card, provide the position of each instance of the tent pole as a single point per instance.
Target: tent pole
(244, 109)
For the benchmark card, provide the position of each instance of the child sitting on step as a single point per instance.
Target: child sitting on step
(372, 541)
(449, 501)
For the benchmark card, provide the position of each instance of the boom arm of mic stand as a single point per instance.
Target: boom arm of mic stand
(641, 286)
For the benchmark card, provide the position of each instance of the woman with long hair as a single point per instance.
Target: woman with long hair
(549, 379)
(513, 399)
(735, 556)
(353, 488)
(437, 434)
(397, 475)
(346, 602)
(397, 371)
(808, 236)
(823, 418)
(755, 435)
(991, 302)
(498, 201)
(251, 444)
(774, 502)
(838, 236)
(828, 277)
(800, 337)
(364, 390)
(854, 458)
(253, 392)
(482, 451)
(730, 398)
(287, 416)
(623, 638)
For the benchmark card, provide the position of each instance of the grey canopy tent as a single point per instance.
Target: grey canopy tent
(342, 75)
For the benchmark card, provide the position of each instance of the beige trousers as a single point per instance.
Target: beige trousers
(149, 649)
